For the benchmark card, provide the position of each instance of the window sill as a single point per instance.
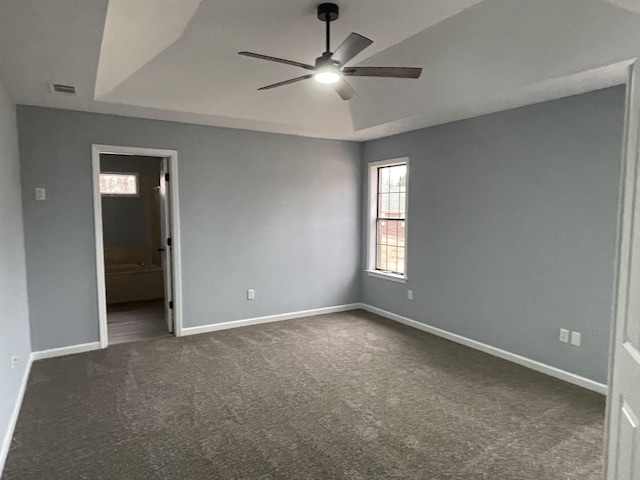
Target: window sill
(387, 276)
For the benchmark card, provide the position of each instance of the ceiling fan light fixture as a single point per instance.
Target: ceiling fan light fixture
(332, 68)
(328, 76)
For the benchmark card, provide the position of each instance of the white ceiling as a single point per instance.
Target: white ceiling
(177, 60)
(631, 5)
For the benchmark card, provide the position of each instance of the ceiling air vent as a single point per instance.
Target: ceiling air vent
(66, 89)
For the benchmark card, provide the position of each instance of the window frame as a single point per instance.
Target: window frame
(372, 220)
(121, 195)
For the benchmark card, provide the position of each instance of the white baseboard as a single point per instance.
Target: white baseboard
(497, 352)
(6, 443)
(59, 352)
(268, 319)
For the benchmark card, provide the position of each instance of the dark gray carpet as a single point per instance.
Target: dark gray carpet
(344, 396)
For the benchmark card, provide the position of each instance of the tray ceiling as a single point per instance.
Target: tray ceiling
(178, 60)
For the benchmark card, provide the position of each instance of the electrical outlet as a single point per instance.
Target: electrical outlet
(41, 193)
(410, 294)
(251, 294)
(576, 338)
(14, 361)
(564, 335)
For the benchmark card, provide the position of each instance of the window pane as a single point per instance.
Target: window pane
(383, 174)
(402, 204)
(382, 257)
(392, 233)
(400, 267)
(396, 175)
(118, 184)
(394, 206)
(390, 259)
(382, 232)
(403, 178)
(383, 205)
(393, 259)
(401, 234)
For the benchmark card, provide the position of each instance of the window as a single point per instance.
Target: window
(119, 184)
(387, 231)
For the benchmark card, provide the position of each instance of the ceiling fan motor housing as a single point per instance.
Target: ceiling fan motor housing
(328, 12)
(326, 61)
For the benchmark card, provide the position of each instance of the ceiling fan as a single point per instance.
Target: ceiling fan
(330, 67)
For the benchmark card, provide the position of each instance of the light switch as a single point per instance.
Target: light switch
(41, 193)
(564, 335)
(576, 338)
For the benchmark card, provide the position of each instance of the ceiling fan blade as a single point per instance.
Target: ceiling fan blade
(278, 60)
(345, 90)
(287, 82)
(390, 72)
(351, 47)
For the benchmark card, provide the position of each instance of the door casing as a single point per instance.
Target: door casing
(622, 351)
(174, 212)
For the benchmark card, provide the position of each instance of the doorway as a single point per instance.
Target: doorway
(137, 243)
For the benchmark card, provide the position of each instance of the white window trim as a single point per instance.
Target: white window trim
(124, 195)
(371, 221)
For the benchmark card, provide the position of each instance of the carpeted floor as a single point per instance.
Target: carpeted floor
(342, 396)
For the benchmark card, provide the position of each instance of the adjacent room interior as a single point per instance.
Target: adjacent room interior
(214, 267)
(133, 246)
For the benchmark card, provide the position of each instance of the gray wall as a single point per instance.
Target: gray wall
(276, 213)
(512, 224)
(14, 314)
(512, 228)
(126, 221)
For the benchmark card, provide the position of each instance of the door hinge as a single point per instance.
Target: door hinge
(166, 177)
(171, 304)
(169, 242)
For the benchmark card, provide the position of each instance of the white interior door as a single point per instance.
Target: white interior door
(623, 411)
(165, 250)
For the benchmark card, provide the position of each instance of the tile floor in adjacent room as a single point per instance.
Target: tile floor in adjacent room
(128, 322)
